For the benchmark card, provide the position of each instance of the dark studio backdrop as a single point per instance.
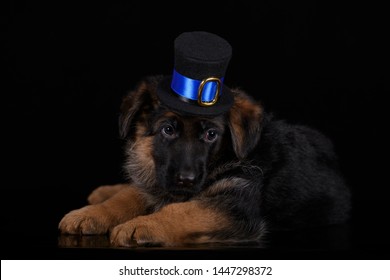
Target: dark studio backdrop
(67, 66)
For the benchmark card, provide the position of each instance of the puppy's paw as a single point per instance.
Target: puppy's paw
(103, 193)
(90, 219)
(139, 231)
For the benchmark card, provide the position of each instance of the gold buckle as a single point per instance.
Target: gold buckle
(200, 91)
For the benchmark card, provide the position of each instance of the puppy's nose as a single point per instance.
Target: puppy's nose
(186, 178)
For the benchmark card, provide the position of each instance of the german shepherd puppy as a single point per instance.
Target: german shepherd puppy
(229, 178)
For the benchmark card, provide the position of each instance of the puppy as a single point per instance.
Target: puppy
(232, 177)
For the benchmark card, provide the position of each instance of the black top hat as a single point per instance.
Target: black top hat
(196, 86)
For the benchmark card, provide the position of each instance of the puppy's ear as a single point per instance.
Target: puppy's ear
(137, 103)
(245, 122)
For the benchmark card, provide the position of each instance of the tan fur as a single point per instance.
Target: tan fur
(102, 193)
(177, 223)
(244, 108)
(100, 218)
(140, 164)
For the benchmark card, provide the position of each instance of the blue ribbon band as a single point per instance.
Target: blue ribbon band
(189, 88)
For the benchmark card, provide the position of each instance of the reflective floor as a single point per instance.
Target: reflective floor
(337, 242)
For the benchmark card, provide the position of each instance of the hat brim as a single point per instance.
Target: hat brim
(172, 100)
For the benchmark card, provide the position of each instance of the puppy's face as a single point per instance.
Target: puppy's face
(170, 154)
(183, 148)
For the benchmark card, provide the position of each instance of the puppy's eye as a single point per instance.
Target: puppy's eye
(168, 131)
(210, 135)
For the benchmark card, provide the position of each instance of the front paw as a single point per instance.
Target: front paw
(139, 231)
(90, 219)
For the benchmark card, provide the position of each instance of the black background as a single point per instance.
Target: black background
(67, 66)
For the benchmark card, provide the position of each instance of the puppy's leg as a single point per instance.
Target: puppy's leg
(174, 224)
(100, 218)
(102, 193)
